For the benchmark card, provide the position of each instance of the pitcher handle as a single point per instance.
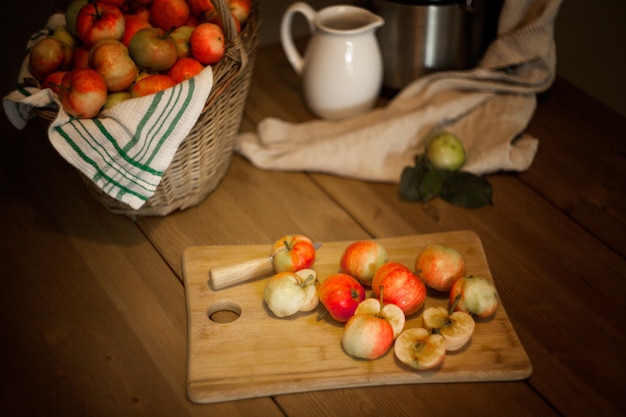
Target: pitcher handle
(286, 38)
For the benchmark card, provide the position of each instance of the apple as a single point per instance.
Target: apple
(475, 295)
(83, 92)
(71, 13)
(292, 253)
(53, 81)
(184, 69)
(47, 56)
(420, 349)
(390, 312)
(341, 294)
(361, 259)
(168, 14)
(439, 266)
(133, 24)
(240, 9)
(97, 21)
(287, 293)
(367, 336)
(113, 99)
(63, 34)
(116, 3)
(151, 84)
(311, 289)
(203, 9)
(456, 327)
(445, 151)
(215, 18)
(207, 43)
(111, 59)
(80, 58)
(401, 287)
(182, 36)
(153, 49)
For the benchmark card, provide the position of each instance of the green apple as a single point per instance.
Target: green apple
(71, 13)
(445, 151)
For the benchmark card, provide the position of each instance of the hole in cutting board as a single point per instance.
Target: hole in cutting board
(224, 312)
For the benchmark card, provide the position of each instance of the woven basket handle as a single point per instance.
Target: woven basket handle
(235, 49)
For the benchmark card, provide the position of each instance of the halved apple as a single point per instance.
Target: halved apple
(420, 349)
(390, 312)
(456, 328)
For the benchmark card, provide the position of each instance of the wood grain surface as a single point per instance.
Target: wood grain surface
(257, 354)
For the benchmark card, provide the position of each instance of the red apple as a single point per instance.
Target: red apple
(474, 294)
(439, 266)
(400, 287)
(116, 3)
(361, 259)
(53, 81)
(240, 9)
(153, 49)
(390, 312)
(420, 349)
(292, 253)
(83, 92)
(169, 14)
(150, 84)
(184, 69)
(81, 57)
(341, 294)
(97, 21)
(47, 56)
(133, 24)
(208, 43)
(203, 9)
(182, 37)
(110, 58)
(367, 336)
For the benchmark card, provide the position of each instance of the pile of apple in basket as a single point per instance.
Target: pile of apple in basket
(372, 325)
(113, 50)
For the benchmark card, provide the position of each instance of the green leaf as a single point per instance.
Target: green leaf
(467, 190)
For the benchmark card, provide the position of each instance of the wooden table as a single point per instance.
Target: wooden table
(93, 303)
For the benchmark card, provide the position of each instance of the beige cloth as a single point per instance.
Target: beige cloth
(488, 107)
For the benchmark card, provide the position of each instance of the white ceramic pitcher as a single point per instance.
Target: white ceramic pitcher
(342, 67)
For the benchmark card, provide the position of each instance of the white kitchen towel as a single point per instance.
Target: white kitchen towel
(488, 107)
(127, 148)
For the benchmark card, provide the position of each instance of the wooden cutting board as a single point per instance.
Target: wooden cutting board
(257, 354)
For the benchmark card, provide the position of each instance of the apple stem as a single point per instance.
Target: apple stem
(307, 280)
(453, 306)
(322, 315)
(286, 245)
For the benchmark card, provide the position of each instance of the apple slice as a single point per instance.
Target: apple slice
(420, 349)
(390, 312)
(456, 328)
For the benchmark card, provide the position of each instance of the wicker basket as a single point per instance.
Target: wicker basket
(204, 156)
